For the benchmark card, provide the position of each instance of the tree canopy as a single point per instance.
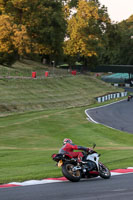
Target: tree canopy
(85, 29)
(38, 26)
(74, 29)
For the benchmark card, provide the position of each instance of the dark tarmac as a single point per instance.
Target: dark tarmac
(117, 115)
(117, 187)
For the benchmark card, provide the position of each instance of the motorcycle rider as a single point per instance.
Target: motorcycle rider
(68, 148)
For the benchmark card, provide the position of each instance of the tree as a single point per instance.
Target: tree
(118, 44)
(39, 25)
(47, 25)
(7, 50)
(110, 50)
(126, 46)
(85, 30)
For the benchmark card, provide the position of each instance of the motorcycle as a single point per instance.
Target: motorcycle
(129, 97)
(89, 167)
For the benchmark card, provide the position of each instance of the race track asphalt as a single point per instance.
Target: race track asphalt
(117, 115)
(117, 187)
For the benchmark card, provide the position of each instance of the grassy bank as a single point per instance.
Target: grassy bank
(20, 95)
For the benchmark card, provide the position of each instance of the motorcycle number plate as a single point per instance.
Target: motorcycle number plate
(60, 163)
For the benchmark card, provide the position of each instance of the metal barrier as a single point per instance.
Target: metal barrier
(110, 96)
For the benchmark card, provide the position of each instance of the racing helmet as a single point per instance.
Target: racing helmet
(66, 140)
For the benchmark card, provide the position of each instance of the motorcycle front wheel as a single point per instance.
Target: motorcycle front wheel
(70, 173)
(104, 171)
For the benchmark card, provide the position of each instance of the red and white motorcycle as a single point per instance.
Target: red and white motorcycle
(88, 168)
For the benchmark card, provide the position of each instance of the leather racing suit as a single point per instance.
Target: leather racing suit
(69, 148)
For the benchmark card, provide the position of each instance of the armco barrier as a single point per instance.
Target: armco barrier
(107, 97)
(121, 84)
(118, 95)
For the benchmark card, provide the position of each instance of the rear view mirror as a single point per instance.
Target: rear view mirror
(94, 145)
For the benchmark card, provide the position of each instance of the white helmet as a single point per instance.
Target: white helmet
(66, 140)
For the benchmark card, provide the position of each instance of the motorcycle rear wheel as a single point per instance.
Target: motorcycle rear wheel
(104, 171)
(69, 172)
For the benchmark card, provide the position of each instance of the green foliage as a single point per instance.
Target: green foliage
(109, 52)
(8, 58)
(47, 22)
(117, 45)
(73, 3)
(126, 45)
(37, 26)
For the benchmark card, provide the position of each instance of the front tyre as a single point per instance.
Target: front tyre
(104, 171)
(70, 173)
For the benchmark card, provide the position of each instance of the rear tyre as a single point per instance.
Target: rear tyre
(69, 172)
(104, 171)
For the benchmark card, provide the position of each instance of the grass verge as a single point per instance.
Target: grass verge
(28, 140)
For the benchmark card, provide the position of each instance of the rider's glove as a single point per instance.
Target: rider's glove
(90, 150)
